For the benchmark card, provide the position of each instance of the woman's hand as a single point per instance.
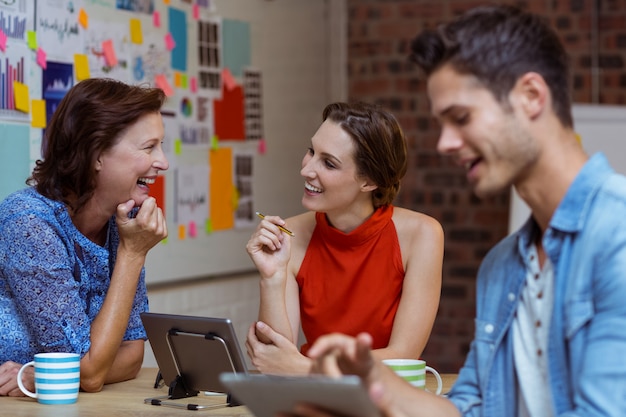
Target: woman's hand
(139, 234)
(269, 247)
(279, 356)
(8, 379)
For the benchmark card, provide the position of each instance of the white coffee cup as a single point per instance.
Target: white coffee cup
(414, 372)
(57, 378)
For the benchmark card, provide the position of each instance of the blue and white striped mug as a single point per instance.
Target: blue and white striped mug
(57, 378)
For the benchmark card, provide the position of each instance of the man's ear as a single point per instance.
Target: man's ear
(533, 94)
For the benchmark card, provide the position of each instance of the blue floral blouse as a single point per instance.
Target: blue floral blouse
(53, 280)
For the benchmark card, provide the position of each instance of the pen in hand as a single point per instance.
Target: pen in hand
(284, 229)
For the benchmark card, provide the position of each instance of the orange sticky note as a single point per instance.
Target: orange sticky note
(156, 19)
(81, 67)
(109, 53)
(163, 84)
(181, 232)
(221, 188)
(177, 81)
(83, 18)
(136, 35)
(166, 1)
(38, 113)
(22, 99)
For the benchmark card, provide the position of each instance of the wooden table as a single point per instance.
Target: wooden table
(127, 399)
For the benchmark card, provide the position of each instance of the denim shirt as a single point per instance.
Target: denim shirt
(53, 280)
(586, 242)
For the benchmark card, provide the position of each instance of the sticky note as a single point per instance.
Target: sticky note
(236, 196)
(181, 232)
(166, 1)
(163, 84)
(196, 11)
(192, 229)
(170, 43)
(83, 18)
(109, 53)
(136, 35)
(193, 84)
(38, 114)
(41, 58)
(178, 146)
(262, 146)
(215, 142)
(22, 99)
(177, 79)
(81, 67)
(3, 41)
(31, 39)
(228, 79)
(184, 81)
(208, 226)
(156, 19)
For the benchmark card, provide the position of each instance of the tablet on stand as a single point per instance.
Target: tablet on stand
(192, 352)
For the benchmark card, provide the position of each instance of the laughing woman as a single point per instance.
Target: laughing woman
(73, 244)
(356, 263)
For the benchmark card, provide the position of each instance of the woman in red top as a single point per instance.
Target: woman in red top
(356, 263)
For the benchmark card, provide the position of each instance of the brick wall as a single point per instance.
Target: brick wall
(378, 71)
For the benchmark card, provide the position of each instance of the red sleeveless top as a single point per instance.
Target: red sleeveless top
(351, 283)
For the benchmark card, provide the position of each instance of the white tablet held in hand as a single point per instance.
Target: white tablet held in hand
(266, 395)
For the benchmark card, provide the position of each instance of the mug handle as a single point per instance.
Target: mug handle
(19, 380)
(437, 377)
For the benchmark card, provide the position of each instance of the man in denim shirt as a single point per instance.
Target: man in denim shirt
(551, 299)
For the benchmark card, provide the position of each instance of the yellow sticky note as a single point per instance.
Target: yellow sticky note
(208, 226)
(215, 142)
(21, 96)
(178, 146)
(81, 67)
(83, 18)
(136, 35)
(31, 39)
(184, 81)
(38, 113)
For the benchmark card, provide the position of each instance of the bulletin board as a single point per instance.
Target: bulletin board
(246, 82)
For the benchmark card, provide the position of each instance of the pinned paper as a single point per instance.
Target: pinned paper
(38, 113)
(81, 67)
(21, 96)
(156, 19)
(193, 232)
(169, 41)
(262, 146)
(228, 79)
(3, 41)
(83, 18)
(41, 58)
(31, 39)
(181, 232)
(136, 35)
(193, 84)
(109, 53)
(163, 84)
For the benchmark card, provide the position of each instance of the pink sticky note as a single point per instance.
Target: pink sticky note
(193, 84)
(196, 11)
(170, 43)
(262, 147)
(228, 79)
(193, 231)
(163, 84)
(109, 53)
(3, 41)
(156, 19)
(41, 58)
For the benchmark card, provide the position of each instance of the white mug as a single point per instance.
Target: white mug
(57, 378)
(414, 372)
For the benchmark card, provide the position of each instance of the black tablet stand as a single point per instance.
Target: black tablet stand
(180, 387)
